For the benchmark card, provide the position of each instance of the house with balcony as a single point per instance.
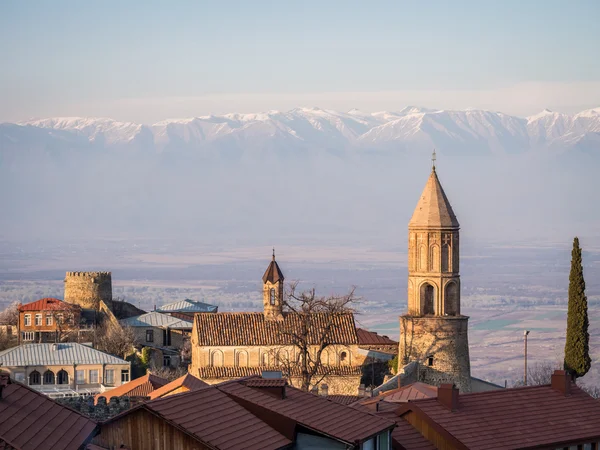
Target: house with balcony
(65, 369)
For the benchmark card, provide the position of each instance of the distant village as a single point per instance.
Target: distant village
(90, 371)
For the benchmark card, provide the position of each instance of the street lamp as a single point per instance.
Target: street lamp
(525, 333)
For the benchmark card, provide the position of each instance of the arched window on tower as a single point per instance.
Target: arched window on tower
(451, 307)
(427, 299)
(216, 359)
(434, 259)
(272, 296)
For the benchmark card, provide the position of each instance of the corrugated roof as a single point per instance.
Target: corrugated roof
(366, 337)
(433, 209)
(48, 304)
(212, 372)
(55, 354)
(332, 419)
(29, 420)
(188, 381)
(156, 319)
(251, 328)
(344, 399)
(516, 418)
(217, 420)
(187, 306)
(140, 387)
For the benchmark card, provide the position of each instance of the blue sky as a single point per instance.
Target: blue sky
(146, 60)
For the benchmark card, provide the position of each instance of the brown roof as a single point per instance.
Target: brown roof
(343, 399)
(273, 273)
(514, 418)
(239, 372)
(413, 391)
(29, 420)
(215, 419)
(188, 381)
(311, 411)
(405, 435)
(48, 304)
(266, 382)
(366, 337)
(140, 387)
(251, 328)
(433, 209)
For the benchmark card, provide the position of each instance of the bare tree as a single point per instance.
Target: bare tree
(10, 316)
(540, 373)
(115, 340)
(7, 340)
(169, 373)
(309, 328)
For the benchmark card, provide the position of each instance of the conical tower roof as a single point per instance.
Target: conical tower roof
(273, 273)
(433, 209)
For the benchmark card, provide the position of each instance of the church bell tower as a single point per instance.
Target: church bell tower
(273, 291)
(433, 332)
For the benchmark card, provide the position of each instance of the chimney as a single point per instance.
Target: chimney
(561, 382)
(361, 390)
(447, 395)
(369, 392)
(323, 390)
(314, 390)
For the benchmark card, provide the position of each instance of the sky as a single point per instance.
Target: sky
(144, 61)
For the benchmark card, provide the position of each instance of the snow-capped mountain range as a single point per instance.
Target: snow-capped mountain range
(411, 127)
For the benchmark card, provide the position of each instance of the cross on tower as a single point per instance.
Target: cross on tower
(433, 158)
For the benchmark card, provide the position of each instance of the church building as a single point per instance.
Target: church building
(433, 332)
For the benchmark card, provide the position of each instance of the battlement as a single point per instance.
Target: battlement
(89, 274)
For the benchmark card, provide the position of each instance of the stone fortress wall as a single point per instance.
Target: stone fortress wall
(87, 289)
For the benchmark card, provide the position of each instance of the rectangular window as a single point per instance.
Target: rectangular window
(27, 320)
(166, 361)
(38, 320)
(28, 336)
(124, 376)
(80, 377)
(48, 320)
(384, 441)
(20, 377)
(109, 376)
(149, 335)
(94, 376)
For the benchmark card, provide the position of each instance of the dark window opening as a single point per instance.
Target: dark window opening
(35, 377)
(149, 335)
(48, 377)
(63, 377)
(430, 360)
(124, 376)
(427, 297)
(272, 296)
(166, 361)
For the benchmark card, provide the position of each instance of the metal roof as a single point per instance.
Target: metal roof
(156, 319)
(55, 354)
(189, 306)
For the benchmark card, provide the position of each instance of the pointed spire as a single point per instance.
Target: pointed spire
(273, 273)
(434, 209)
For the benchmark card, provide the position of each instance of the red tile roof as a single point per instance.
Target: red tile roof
(366, 337)
(212, 372)
(413, 391)
(214, 419)
(188, 381)
(243, 329)
(140, 387)
(311, 411)
(266, 382)
(48, 304)
(405, 435)
(30, 420)
(343, 399)
(514, 418)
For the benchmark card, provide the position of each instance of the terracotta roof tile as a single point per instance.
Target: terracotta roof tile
(515, 418)
(242, 329)
(29, 420)
(318, 413)
(217, 420)
(413, 391)
(343, 399)
(239, 372)
(140, 387)
(366, 337)
(266, 382)
(48, 304)
(188, 380)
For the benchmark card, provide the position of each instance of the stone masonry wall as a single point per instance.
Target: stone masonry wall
(440, 345)
(88, 288)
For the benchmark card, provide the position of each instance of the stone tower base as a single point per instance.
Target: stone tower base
(440, 344)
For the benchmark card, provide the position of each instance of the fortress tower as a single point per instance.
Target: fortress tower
(86, 289)
(433, 332)
(273, 291)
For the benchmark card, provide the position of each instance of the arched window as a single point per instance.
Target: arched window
(427, 298)
(343, 358)
(265, 359)
(434, 262)
(35, 378)
(422, 258)
(63, 377)
(216, 359)
(48, 377)
(452, 307)
(272, 296)
(242, 359)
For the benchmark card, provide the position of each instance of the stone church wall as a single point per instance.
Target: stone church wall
(440, 345)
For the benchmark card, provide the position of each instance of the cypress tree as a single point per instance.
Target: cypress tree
(577, 351)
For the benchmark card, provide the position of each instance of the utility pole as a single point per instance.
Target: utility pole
(525, 333)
